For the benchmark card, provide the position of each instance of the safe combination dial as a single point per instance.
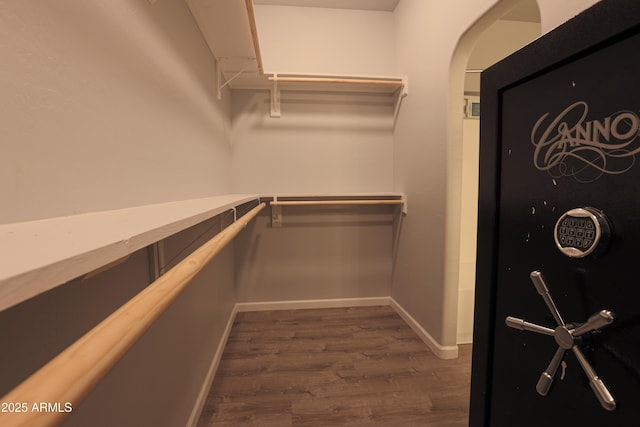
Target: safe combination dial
(567, 338)
(582, 231)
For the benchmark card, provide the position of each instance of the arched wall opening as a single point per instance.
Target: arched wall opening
(504, 29)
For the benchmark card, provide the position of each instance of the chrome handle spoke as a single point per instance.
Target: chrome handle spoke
(546, 378)
(566, 340)
(523, 325)
(599, 389)
(541, 286)
(595, 322)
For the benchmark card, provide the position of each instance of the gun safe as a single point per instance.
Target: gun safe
(557, 321)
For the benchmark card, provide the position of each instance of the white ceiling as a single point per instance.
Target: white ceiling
(383, 5)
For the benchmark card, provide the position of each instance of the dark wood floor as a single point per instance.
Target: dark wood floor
(331, 367)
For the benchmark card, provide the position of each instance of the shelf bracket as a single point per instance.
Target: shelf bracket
(219, 76)
(275, 98)
(276, 214)
(218, 79)
(402, 92)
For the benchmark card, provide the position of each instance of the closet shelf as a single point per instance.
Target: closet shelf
(397, 201)
(391, 86)
(335, 83)
(336, 202)
(283, 197)
(43, 254)
(230, 30)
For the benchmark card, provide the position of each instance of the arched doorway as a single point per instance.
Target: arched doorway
(507, 27)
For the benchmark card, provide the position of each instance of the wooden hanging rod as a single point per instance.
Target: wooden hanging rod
(340, 80)
(70, 376)
(335, 202)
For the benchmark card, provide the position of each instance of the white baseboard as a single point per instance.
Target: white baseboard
(206, 386)
(312, 303)
(443, 352)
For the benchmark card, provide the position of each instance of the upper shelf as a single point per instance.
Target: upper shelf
(40, 255)
(323, 82)
(242, 74)
(394, 86)
(231, 32)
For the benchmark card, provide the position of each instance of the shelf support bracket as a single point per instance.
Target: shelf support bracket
(275, 98)
(402, 92)
(276, 214)
(218, 79)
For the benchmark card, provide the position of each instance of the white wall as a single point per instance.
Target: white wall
(468, 229)
(321, 144)
(326, 41)
(496, 42)
(428, 152)
(554, 13)
(426, 35)
(319, 253)
(106, 105)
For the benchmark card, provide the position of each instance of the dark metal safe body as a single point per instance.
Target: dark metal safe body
(557, 317)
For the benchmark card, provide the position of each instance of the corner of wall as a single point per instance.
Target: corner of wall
(442, 351)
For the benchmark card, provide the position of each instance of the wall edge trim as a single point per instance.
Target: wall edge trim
(443, 352)
(213, 368)
(312, 303)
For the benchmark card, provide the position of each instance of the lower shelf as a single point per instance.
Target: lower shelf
(40, 255)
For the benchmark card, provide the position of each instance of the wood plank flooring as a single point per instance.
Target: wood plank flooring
(358, 366)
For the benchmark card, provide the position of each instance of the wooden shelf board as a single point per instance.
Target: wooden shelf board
(40, 255)
(334, 196)
(252, 83)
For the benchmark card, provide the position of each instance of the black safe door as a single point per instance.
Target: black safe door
(569, 139)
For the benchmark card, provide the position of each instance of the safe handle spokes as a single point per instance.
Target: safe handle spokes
(599, 389)
(597, 321)
(565, 337)
(546, 378)
(541, 286)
